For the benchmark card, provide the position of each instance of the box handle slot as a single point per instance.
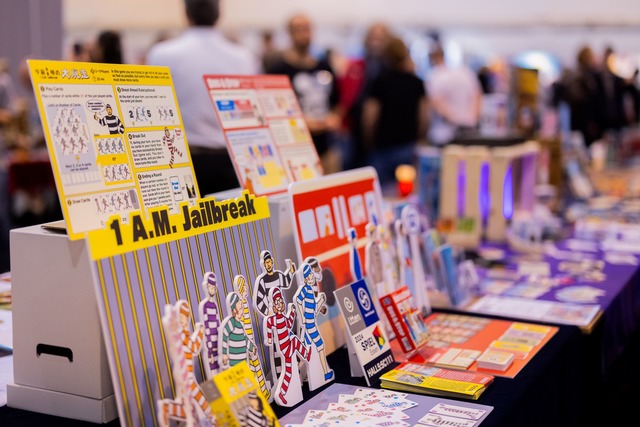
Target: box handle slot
(54, 350)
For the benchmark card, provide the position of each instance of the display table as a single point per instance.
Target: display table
(609, 348)
(546, 392)
(574, 379)
(541, 394)
(619, 303)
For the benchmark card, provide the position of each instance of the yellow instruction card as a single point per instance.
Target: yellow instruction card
(115, 138)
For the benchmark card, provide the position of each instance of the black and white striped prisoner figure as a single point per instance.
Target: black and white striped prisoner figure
(268, 279)
(111, 121)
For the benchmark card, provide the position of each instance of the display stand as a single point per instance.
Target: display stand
(468, 192)
(55, 314)
(503, 160)
(462, 190)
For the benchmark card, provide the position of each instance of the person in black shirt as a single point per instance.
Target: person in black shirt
(394, 114)
(314, 83)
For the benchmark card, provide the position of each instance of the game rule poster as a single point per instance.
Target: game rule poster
(115, 139)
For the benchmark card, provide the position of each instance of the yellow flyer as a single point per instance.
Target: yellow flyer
(236, 400)
(115, 138)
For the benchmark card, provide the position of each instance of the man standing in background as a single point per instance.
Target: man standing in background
(200, 50)
(314, 83)
(455, 97)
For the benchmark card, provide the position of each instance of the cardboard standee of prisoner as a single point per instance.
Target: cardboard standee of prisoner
(241, 287)
(269, 278)
(311, 303)
(279, 335)
(189, 405)
(210, 318)
(234, 346)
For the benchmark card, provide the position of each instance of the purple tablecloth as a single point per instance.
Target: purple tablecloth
(620, 304)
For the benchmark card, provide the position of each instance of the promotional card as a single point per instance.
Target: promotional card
(267, 137)
(115, 139)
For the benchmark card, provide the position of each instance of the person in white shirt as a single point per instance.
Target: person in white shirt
(201, 49)
(455, 96)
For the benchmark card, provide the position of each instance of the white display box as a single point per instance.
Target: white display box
(59, 360)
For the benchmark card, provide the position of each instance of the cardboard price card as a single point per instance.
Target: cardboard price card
(367, 339)
(115, 139)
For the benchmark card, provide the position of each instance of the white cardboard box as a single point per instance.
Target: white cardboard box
(59, 359)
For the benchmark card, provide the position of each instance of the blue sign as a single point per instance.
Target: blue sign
(365, 302)
(227, 105)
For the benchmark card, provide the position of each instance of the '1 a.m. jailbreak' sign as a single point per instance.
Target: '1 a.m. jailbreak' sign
(367, 339)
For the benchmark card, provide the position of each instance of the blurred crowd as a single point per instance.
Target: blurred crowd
(601, 102)
(373, 108)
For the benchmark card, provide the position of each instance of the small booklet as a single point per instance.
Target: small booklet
(424, 379)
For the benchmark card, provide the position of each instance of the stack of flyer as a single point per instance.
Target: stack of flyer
(424, 379)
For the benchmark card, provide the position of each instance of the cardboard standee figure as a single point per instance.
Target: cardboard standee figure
(241, 287)
(189, 405)
(412, 226)
(404, 254)
(269, 278)
(235, 345)
(210, 318)
(279, 330)
(389, 259)
(373, 258)
(310, 303)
